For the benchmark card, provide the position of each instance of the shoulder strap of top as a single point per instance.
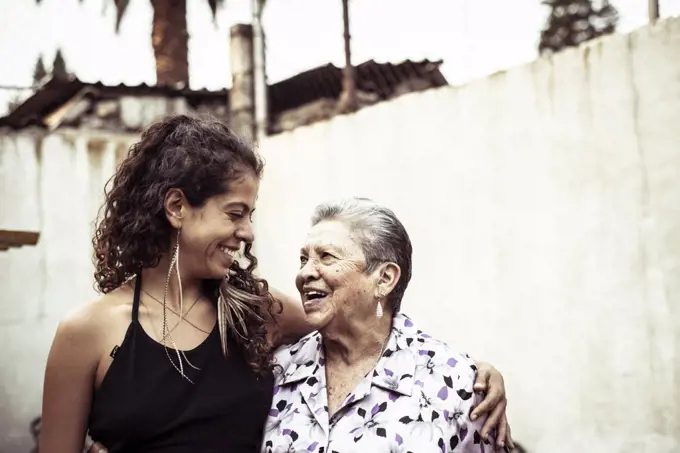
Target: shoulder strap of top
(135, 301)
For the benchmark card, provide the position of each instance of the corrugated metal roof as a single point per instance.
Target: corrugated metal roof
(326, 82)
(322, 82)
(55, 92)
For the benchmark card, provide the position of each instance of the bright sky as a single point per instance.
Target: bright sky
(473, 37)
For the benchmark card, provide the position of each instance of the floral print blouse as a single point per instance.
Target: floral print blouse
(417, 399)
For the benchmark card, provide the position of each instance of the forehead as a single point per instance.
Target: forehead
(242, 190)
(331, 234)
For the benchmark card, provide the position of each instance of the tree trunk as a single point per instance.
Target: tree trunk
(348, 98)
(170, 41)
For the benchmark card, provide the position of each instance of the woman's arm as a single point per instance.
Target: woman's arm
(69, 382)
(291, 324)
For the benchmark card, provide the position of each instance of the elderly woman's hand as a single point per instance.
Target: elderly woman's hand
(490, 381)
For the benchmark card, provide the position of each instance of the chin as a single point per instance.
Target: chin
(218, 270)
(216, 274)
(317, 320)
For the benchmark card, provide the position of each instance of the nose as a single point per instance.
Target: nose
(245, 233)
(307, 272)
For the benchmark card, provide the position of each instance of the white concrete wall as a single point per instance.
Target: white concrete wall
(53, 184)
(544, 208)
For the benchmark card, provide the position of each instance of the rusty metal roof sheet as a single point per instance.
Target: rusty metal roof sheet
(14, 238)
(322, 82)
(326, 82)
(55, 92)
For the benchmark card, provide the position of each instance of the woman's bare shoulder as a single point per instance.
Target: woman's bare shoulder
(72, 366)
(95, 319)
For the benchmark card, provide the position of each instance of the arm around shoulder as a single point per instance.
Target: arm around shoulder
(69, 384)
(291, 324)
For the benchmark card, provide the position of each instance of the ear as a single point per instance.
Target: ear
(174, 205)
(388, 277)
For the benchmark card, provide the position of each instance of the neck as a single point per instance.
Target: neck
(357, 339)
(153, 282)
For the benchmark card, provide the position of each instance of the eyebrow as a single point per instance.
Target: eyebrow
(323, 245)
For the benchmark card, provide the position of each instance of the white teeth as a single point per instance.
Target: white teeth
(314, 294)
(229, 252)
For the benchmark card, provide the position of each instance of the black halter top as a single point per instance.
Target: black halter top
(145, 405)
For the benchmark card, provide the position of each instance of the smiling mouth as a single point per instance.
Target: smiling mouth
(313, 296)
(231, 253)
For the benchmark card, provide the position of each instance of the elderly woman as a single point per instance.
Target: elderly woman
(368, 380)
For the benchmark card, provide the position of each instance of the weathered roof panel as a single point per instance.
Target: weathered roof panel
(323, 82)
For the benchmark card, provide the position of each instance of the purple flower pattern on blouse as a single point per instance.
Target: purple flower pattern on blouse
(417, 400)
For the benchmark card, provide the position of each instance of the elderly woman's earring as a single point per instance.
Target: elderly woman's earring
(379, 308)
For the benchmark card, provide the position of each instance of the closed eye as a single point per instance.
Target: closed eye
(323, 256)
(240, 216)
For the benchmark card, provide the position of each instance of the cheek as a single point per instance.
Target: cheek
(298, 281)
(334, 277)
(212, 229)
(350, 282)
(190, 235)
(199, 237)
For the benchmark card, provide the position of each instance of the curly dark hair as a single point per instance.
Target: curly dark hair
(200, 157)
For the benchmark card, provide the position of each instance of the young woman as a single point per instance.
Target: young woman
(177, 355)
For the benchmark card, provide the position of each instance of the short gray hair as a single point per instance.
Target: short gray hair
(380, 234)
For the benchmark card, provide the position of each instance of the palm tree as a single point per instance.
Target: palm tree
(169, 37)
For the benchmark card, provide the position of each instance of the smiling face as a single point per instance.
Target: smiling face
(213, 233)
(332, 280)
